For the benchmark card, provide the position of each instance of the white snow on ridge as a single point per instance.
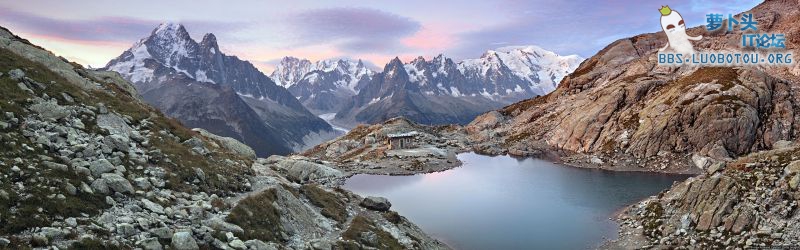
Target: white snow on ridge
(200, 76)
(293, 70)
(530, 63)
(134, 69)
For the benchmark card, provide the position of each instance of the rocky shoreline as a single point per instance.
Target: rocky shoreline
(749, 202)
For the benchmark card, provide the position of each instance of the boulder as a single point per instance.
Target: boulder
(151, 244)
(794, 182)
(114, 124)
(49, 110)
(99, 186)
(237, 244)
(142, 183)
(125, 230)
(16, 74)
(184, 241)
(302, 170)
(220, 225)
(100, 167)
(55, 166)
(117, 142)
(701, 162)
(376, 203)
(152, 206)
(163, 233)
(792, 168)
(716, 167)
(259, 245)
(118, 183)
(230, 144)
(24, 88)
(782, 144)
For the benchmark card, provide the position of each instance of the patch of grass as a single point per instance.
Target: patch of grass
(259, 218)
(357, 133)
(585, 69)
(332, 206)
(632, 122)
(27, 206)
(392, 217)
(517, 137)
(653, 213)
(726, 76)
(632, 78)
(524, 105)
(362, 224)
(354, 152)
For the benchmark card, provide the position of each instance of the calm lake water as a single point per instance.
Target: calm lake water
(507, 203)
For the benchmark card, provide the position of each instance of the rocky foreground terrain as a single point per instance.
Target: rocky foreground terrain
(746, 203)
(84, 163)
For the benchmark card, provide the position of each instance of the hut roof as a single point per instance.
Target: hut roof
(401, 135)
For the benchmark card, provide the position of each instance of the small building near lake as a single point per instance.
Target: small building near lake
(402, 140)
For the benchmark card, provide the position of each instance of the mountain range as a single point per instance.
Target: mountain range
(435, 91)
(202, 87)
(196, 83)
(322, 86)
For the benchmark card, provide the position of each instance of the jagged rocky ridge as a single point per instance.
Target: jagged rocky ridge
(325, 85)
(436, 91)
(86, 164)
(202, 87)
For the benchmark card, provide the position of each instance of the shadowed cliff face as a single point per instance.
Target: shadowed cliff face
(202, 87)
(621, 104)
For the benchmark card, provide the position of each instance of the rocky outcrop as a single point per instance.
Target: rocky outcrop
(751, 202)
(376, 203)
(624, 109)
(229, 143)
(365, 150)
(302, 169)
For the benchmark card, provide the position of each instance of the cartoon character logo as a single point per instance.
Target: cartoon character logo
(673, 25)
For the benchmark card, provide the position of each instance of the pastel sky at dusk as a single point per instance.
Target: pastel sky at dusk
(95, 31)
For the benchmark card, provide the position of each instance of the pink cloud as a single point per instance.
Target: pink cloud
(430, 39)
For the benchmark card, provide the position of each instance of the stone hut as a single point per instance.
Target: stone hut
(401, 141)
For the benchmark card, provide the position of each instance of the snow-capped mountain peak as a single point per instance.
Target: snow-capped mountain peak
(291, 71)
(540, 68)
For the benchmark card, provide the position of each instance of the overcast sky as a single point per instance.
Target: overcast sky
(92, 32)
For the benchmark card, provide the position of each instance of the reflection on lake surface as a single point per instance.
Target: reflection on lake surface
(506, 203)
